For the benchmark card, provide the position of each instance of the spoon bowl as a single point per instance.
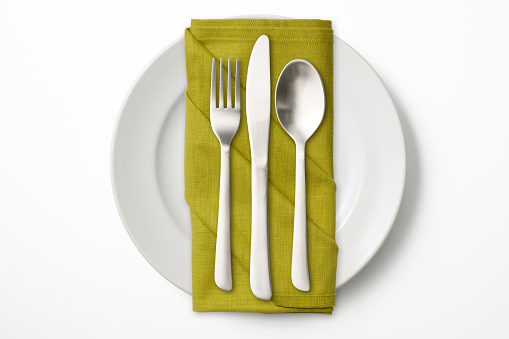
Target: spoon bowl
(300, 99)
(300, 106)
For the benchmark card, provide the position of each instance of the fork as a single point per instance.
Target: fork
(225, 123)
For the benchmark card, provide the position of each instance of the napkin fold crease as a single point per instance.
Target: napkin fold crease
(234, 38)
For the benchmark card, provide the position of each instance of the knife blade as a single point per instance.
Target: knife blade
(258, 123)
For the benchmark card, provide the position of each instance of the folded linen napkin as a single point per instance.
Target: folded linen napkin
(234, 38)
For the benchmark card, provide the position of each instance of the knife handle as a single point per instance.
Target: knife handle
(300, 273)
(223, 266)
(259, 266)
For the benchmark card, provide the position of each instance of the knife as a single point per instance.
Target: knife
(258, 122)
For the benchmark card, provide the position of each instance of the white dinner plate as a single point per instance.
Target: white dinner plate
(147, 163)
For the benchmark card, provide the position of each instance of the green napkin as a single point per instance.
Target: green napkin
(234, 38)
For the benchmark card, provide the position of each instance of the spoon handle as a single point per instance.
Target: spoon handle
(223, 266)
(300, 274)
(259, 274)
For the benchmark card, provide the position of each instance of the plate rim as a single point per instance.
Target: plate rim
(362, 265)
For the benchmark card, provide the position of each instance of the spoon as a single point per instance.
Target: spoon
(300, 105)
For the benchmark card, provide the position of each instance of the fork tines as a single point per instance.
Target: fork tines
(229, 89)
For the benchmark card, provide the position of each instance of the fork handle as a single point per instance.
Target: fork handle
(223, 267)
(259, 263)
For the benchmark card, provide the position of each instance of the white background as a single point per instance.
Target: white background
(68, 269)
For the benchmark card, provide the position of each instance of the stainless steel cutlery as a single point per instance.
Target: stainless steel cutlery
(258, 94)
(225, 123)
(300, 105)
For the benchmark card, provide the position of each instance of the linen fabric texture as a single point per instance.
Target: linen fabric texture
(290, 39)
